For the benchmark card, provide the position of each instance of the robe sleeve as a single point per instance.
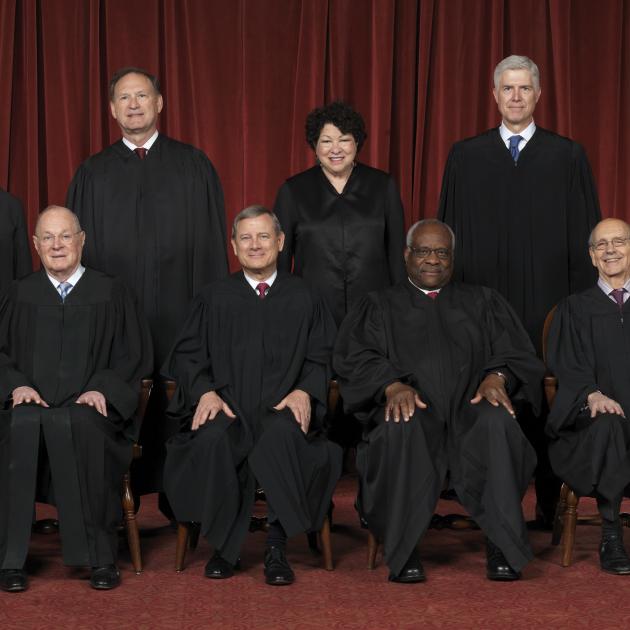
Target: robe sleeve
(511, 347)
(361, 359)
(394, 233)
(584, 214)
(22, 261)
(284, 209)
(131, 357)
(80, 199)
(572, 362)
(316, 371)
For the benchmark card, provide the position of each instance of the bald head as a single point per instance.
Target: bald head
(608, 247)
(59, 211)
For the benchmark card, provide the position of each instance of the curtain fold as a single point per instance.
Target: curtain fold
(239, 78)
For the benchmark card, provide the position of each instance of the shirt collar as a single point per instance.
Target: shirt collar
(606, 288)
(147, 145)
(425, 291)
(73, 279)
(526, 134)
(254, 283)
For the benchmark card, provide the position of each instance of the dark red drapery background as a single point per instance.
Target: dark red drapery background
(239, 78)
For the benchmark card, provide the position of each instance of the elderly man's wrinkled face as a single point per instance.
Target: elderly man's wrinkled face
(429, 260)
(257, 245)
(136, 106)
(609, 251)
(516, 98)
(59, 243)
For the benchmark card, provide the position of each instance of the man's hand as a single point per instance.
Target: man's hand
(93, 399)
(401, 400)
(207, 409)
(492, 388)
(299, 402)
(598, 403)
(26, 394)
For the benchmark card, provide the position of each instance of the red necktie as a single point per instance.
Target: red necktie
(618, 295)
(433, 294)
(262, 288)
(141, 152)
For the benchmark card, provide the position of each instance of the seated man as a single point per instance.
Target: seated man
(73, 349)
(252, 366)
(588, 351)
(428, 366)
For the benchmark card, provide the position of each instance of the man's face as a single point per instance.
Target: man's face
(429, 260)
(136, 106)
(609, 252)
(516, 98)
(257, 245)
(58, 243)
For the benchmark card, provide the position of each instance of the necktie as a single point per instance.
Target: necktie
(514, 140)
(618, 295)
(433, 294)
(141, 152)
(262, 288)
(64, 289)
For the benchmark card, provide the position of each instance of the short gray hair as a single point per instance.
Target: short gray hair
(422, 222)
(517, 62)
(52, 208)
(251, 212)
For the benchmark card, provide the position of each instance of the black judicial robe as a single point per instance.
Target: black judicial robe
(521, 229)
(253, 353)
(442, 348)
(589, 350)
(159, 225)
(15, 253)
(343, 244)
(96, 340)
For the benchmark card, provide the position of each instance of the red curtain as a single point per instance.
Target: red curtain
(239, 78)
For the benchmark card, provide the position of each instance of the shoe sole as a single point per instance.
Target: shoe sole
(503, 578)
(627, 572)
(279, 582)
(414, 580)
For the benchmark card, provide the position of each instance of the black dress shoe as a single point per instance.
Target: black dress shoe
(46, 526)
(411, 572)
(105, 578)
(218, 568)
(277, 569)
(497, 567)
(612, 554)
(13, 580)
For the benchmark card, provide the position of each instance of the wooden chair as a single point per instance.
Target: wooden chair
(188, 533)
(129, 512)
(566, 517)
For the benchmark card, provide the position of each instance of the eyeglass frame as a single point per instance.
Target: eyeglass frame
(602, 246)
(66, 238)
(430, 250)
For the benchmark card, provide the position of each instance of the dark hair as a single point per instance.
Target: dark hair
(251, 212)
(339, 114)
(123, 72)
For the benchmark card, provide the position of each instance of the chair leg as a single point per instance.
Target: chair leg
(324, 535)
(372, 549)
(182, 544)
(131, 524)
(558, 519)
(568, 531)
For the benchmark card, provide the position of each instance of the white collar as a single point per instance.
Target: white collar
(526, 134)
(425, 291)
(147, 145)
(253, 283)
(73, 279)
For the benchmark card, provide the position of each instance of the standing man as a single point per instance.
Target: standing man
(73, 349)
(589, 352)
(15, 254)
(522, 202)
(153, 208)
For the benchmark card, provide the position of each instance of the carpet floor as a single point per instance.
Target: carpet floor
(455, 595)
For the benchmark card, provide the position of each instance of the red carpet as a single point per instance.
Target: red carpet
(456, 593)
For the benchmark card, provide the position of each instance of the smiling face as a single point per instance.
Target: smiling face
(59, 243)
(135, 106)
(256, 245)
(336, 151)
(430, 269)
(516, 99)
(609, 251)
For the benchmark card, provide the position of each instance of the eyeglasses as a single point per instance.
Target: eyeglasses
(424, 252)
(602, 246)
(66, 238)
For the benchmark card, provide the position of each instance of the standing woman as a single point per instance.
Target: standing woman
(343, 221)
